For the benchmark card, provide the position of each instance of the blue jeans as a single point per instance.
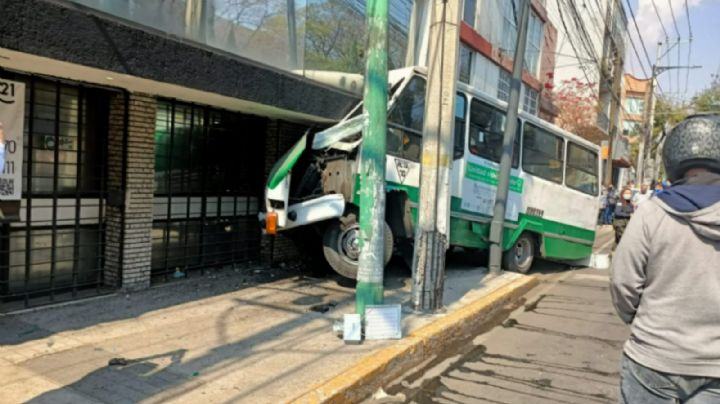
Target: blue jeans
(641, 385)
(608, 214)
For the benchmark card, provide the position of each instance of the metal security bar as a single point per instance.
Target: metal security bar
(54, 251)
(208, 184)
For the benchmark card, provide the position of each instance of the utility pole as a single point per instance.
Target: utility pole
(646, 144)
(432, 235)
(369, 289)
(649, 119)
(614, 112)
(498, 222)
(615, 86)
(658, 150)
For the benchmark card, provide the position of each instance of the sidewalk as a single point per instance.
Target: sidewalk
(218, 338)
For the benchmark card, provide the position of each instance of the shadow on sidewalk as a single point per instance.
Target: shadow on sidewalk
(188, 369)
(142, 379)
(47, 321)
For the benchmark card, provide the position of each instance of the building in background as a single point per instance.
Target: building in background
(488, 34)
(148, 128)
(591, 46)
(634, 95)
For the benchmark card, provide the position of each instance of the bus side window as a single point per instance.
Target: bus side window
(460, 112)
(543, 154)
(487, 129)
(582, 170)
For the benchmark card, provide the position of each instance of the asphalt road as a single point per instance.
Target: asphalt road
(563, 346)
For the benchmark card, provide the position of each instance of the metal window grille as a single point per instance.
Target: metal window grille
(55, 251)
(208, 186)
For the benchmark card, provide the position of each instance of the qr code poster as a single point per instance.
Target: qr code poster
(12, 119)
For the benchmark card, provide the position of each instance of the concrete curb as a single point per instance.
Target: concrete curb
(364, 377)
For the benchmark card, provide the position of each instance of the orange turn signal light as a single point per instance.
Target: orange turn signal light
(271, 221)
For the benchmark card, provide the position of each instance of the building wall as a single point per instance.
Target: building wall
(131, 169)
(486, 36)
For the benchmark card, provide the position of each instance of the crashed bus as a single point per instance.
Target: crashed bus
(552, 201)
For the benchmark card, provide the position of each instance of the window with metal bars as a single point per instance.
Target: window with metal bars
(55, 251)
(209, 168)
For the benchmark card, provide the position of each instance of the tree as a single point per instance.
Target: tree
(578, 105)
(708, 100)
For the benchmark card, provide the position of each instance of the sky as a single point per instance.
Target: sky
(705, 48)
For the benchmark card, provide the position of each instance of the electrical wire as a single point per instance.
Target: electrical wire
(583, 32)
(677, 31)
(642, 42)
(690, 40)
(657, 13)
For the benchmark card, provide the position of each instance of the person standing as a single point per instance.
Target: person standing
(665, 277)
(611, 203)
(623, 213)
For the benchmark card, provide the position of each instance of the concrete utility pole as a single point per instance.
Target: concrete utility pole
(646, 144)
(615, 86)
(432, 235)
(369, 289)
(614, 113)
(649, 119)
(498, 221)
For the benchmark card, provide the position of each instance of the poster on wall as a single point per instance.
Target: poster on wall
(480, 187)
(12, 120)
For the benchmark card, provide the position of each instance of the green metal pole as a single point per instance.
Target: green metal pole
(369, 289)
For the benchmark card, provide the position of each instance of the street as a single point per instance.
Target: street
(563, 346)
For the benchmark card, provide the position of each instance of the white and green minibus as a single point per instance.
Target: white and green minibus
(554, 188)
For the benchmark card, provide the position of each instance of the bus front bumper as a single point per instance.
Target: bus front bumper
(303, 213)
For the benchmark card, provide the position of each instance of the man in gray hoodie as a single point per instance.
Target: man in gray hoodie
(665, 280)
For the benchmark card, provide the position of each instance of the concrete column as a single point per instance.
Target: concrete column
(131, 171)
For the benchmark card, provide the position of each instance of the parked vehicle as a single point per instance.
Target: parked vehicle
(554, 189)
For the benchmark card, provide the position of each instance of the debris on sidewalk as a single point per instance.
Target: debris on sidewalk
(118, 362)
(324, 307)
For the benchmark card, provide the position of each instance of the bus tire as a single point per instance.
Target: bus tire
(520, 257)
(340, 245)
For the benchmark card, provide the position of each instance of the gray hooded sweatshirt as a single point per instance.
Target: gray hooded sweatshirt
(665, 284)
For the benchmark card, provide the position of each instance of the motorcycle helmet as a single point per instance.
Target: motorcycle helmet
(693, 143)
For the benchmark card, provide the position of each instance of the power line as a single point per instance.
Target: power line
(642, 42)
(672, 13)
(677, 31)
(581, 30)
(657, 12)
(687, 13)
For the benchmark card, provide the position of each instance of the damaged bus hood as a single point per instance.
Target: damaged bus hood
(333, 137)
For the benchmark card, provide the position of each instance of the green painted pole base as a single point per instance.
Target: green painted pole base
(367, 293)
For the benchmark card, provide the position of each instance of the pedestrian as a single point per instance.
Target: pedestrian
(641, 196)
(611, 203)
(623, 213)
(665, 276)
(658, 187)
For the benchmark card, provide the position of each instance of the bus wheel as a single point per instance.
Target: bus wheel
(341, 245)
(519, 258)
